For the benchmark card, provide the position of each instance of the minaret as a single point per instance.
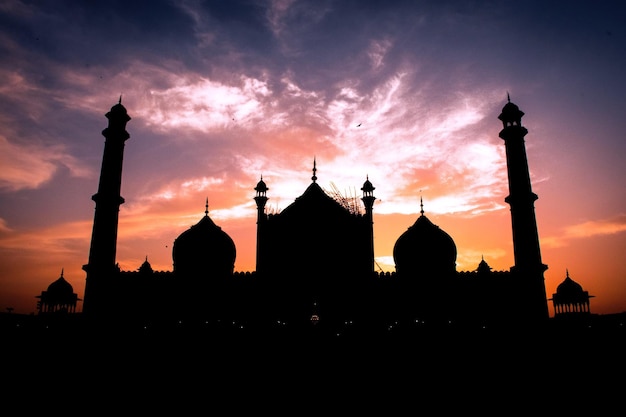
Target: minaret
(261, 199)
(528, 265)
(368, 200)
(102, 266)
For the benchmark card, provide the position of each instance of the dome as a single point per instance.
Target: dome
(60, 287)
(261, 186)
(204, 249)
(510, 108)
(511, 113)
(118, 116)
(118, 109)
(146, 267)
(425, 249)
(569, 287)
(367, 186)
(483, 267)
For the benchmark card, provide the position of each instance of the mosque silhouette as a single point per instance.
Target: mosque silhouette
(296, 286)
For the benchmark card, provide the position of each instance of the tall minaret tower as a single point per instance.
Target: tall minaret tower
(101, 268)
(528, 265)
(261, 199)
(368, 200)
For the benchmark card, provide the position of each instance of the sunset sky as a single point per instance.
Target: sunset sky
(405, 93)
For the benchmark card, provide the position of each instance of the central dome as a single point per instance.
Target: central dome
(204, 250)
(425, 249)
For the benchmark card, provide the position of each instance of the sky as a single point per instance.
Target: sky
(221, 93)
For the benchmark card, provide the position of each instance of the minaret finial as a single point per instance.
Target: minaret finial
(62, 272)
(206, 207)
(421, 206)
(120, 102)
(566, 273)
(508, 97)
(314, 177)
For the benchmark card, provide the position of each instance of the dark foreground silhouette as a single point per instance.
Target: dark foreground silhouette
(177, 367)
(73, 334)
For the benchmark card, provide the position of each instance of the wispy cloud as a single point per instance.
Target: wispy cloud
(600, 227)
(57, 240)
(28, 166)
(4, 228)
(386, 132)
(588, 229)
(205, 105)
(377, 51)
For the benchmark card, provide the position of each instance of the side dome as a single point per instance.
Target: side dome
(60, 288)
(145, 267)
(425, 250)
(569, 287)
(204, 250)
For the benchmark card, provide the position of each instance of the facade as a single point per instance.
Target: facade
(293, 285)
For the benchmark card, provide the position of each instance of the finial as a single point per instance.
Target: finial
(566, 273)
(62, 272)
(421, 206)
(206, 207)
(120, 102)
(314, 177)
(508, 97)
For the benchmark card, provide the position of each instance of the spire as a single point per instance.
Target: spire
(314, 177)
(206, 207)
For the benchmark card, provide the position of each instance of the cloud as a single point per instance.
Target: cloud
(595, 228)
(205, 105)
(588, 229)
(252, 127)
(377, 51)
(276, 13)
(54, 240)
(4, 228)
(28, 166)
